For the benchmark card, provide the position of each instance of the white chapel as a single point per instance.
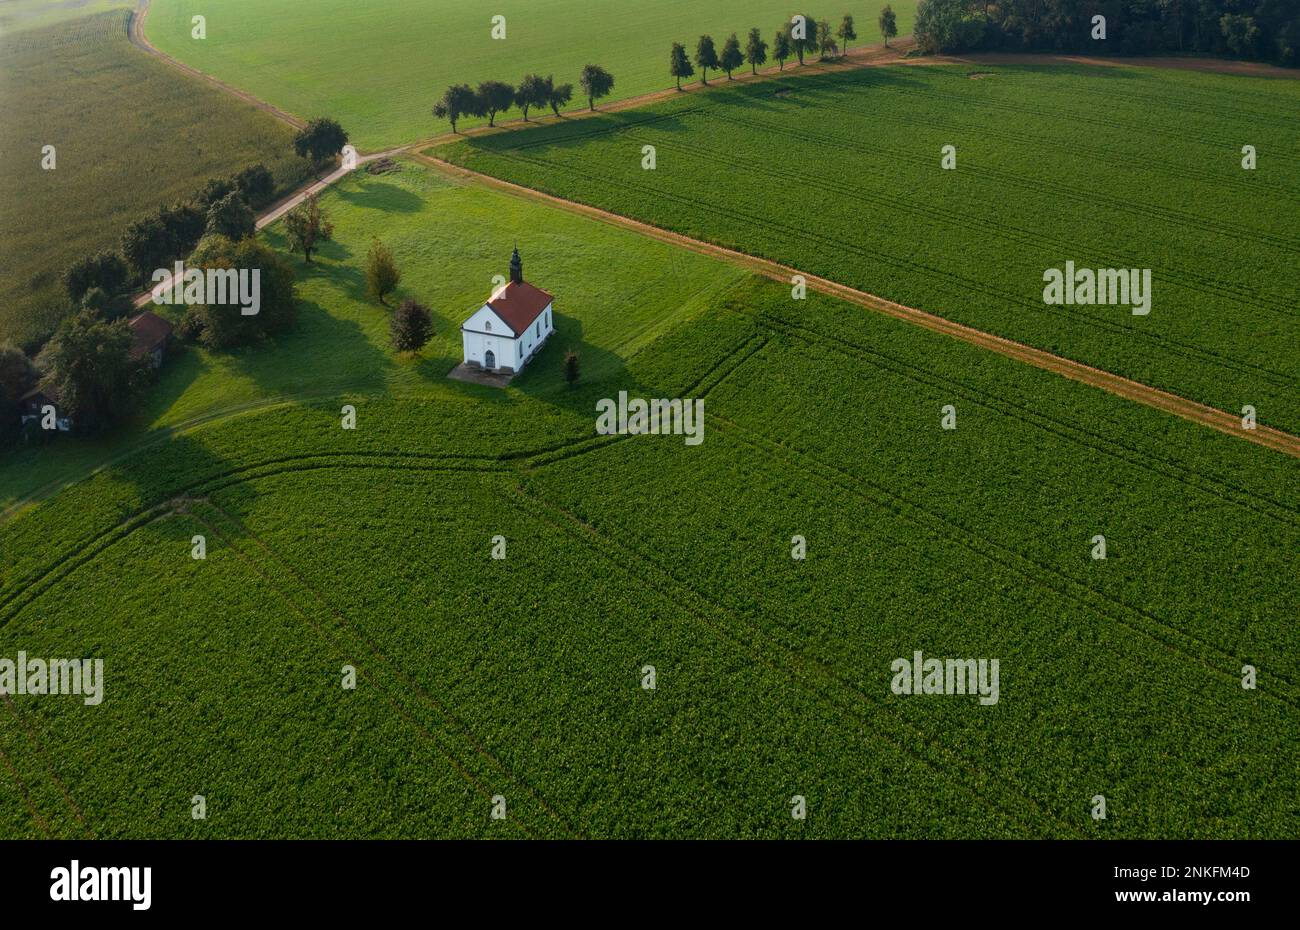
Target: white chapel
(506, 332)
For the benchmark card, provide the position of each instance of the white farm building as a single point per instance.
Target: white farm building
(507, 331)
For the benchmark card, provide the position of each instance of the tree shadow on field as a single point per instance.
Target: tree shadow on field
(320, 354)
(183, 366)
(381, 195)
(802, 90)
(170, 471)
(332, 250)
(575, 133)
(602, 373)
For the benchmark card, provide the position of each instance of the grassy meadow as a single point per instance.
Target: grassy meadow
(379, 71)
(840, 175)
(130, 133)
(616, 293)
(521, 678)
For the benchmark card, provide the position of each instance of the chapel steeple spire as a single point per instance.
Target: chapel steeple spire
(516, 267)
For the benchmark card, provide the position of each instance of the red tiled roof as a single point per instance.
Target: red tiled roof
(148, 330)
(519, 304)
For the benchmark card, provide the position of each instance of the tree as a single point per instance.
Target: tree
(226, 324)
(846, 32)
(320, 140)
(213, 190)
(826, 40)
(532, 92)
(147, 245)
(803, 36)
(381, 271)
(595, 82)
(92, 372)
(495, 97)
(679, 66)
(755, 50)
(256, 185)
(98, 302)
(231, 217)
(1240, 33)
(457, 101)
(185, 224)
(104, 269)
(732, 57)
(410, 326)
(781, 50)
(1265, 29)
(16, 378)
(571, 367)
(945, 26)
(559, 96)
(888, 24)
(306, 224)
(706, 57)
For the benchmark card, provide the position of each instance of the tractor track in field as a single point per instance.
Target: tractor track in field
(842, 698)
(36, 815)
(349, 628)
(1220, 488)
(49, 765)
(958, 282)
(1092, 600)
(868, 56)
(1193, 411)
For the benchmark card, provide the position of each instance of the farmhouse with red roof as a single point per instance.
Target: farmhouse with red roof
(507, 331)
(150, 335)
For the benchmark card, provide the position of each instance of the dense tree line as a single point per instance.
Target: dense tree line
(1262, 30)
(87, 362)
(800, 36)
(534, 91)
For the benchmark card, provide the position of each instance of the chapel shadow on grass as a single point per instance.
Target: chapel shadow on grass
(602, 374)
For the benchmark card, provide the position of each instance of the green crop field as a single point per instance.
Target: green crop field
(522, 677)
(840, 176)
(379, 70)
(21, 15)
(129, 133)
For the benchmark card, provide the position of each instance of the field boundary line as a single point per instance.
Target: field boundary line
(135, 32)
(1194, 411)
(165, 434)
(951, 280)
(1084, 437)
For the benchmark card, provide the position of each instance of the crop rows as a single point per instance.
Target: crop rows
(841, 178)
(129, 135)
